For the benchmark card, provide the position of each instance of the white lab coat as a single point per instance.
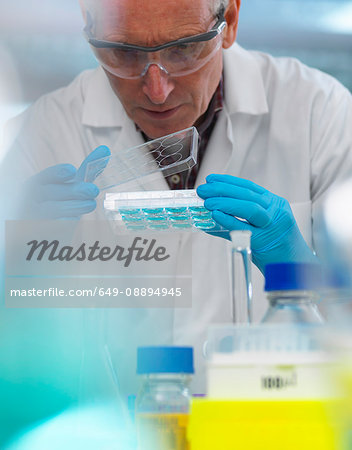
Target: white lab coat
(284, 126)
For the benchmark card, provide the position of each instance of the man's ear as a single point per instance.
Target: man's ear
(231, 17)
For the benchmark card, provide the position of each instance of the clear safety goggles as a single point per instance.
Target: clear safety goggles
(176, 58)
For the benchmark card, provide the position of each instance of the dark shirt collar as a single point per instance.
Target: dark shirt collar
(216, 104)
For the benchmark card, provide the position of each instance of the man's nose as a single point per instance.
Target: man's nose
(157, 84)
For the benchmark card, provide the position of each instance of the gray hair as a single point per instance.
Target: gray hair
(216, 5)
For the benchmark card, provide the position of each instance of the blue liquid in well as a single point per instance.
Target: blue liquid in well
(202, 216)
(153, 211)
(158, 226)
(176, 210)
(198, 210)
(163, 218)
(205, 225)
(156, 219)
(179, 218)
(129, 211)
(182, 225)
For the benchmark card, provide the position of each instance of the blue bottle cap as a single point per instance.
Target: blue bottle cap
(292, 276)
(337, 277)
(164, 360)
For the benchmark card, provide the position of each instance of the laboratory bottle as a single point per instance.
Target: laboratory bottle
(162, 404)
(293, 293)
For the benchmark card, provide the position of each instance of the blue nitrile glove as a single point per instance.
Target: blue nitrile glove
(275, 234)
(61, 192)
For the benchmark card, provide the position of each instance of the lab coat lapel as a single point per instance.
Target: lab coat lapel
(245, 101)
(245, 105)
(220, 148)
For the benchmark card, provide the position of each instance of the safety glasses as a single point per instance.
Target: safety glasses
(176, 58)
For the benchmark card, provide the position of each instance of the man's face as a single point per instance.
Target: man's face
(159, 103)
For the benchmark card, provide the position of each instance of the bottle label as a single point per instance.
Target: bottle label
(271, 382)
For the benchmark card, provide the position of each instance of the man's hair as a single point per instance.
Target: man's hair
(216, 5)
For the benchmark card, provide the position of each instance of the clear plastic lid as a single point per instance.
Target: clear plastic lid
(168, 155)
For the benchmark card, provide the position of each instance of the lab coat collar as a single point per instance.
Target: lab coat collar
(244, 86)
(244, 91)
(101, 106)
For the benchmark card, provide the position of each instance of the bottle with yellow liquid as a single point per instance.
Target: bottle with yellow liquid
(268, 388)
(162, 404)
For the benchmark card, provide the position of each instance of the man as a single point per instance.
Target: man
(277, 131)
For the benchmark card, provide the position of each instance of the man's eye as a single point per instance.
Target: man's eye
(182, 49)
(181, 46)
(125, 55)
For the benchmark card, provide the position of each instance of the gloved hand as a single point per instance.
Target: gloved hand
(275, 234)
(60, 192)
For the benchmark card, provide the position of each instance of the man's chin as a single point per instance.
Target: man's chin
(156, 124)
(154, 132)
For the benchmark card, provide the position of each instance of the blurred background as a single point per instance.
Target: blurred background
(42, 49)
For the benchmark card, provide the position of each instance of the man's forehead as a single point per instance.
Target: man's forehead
(147, 4)
(124, 11)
